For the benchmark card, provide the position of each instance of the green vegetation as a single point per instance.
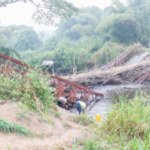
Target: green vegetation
(13, 128)
(57, 114)
(90, 38)
(19, 38)
(22, 116)
(9, 52)
(28, 39)
(83, 119)
(94, 37)
(33, 90)
(127, 127)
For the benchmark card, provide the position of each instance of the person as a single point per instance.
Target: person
(80, 106)
(62, 101)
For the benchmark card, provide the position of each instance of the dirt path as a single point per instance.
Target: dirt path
(61, 134)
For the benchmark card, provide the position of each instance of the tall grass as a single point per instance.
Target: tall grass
(13, 128)
(83, 119)
(131, 118)
(33, 90)
(127, 128)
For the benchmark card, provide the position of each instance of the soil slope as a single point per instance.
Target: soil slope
(46, 136)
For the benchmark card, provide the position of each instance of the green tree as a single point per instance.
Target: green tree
(95, 37)
(139, 9)
(80, 26)
(142, 13)
(9, 52)
(28, 40)
(120, 27)
(50, 44)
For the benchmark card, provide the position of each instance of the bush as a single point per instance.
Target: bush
(33, 89)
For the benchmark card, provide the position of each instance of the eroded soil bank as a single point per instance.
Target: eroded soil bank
(60, 133)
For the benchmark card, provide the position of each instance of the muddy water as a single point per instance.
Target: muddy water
(103, 106)
(111, 92)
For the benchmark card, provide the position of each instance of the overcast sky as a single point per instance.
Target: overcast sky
(85, 3)
(21, 13)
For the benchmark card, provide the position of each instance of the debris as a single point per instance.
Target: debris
(116, 75)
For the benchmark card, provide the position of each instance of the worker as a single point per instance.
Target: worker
(62, 101)
(80, 106)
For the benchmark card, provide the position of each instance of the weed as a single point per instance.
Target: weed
(8, 148)
(57, 114)
(13, 127)
(33, 90)
(66, 125)
(84, 120)
(47, 121)
(22, 116)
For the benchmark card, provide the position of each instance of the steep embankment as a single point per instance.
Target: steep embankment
(28, 106)
(59, 133)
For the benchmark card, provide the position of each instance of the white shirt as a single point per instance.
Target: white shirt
(62, 99)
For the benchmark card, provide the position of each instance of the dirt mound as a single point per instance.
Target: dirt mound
(61, 132)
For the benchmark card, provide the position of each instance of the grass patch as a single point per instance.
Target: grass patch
(83, 119)
(127, 128)
(66, 125)
(57, 114)
(13, 128)
(23, 116)
(131, 118)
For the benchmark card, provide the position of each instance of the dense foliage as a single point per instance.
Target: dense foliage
(28, 40)
(94, 37)
(19, 38)
(9, 52)
(33, 90)
(91, 38)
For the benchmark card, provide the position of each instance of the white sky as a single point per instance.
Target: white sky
(85, 3)
(21, 13)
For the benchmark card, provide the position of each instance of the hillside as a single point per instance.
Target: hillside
(30, 118)
(61, 132)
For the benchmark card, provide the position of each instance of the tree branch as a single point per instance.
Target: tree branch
(47, 10)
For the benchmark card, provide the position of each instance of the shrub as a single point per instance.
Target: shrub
(33, 90)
